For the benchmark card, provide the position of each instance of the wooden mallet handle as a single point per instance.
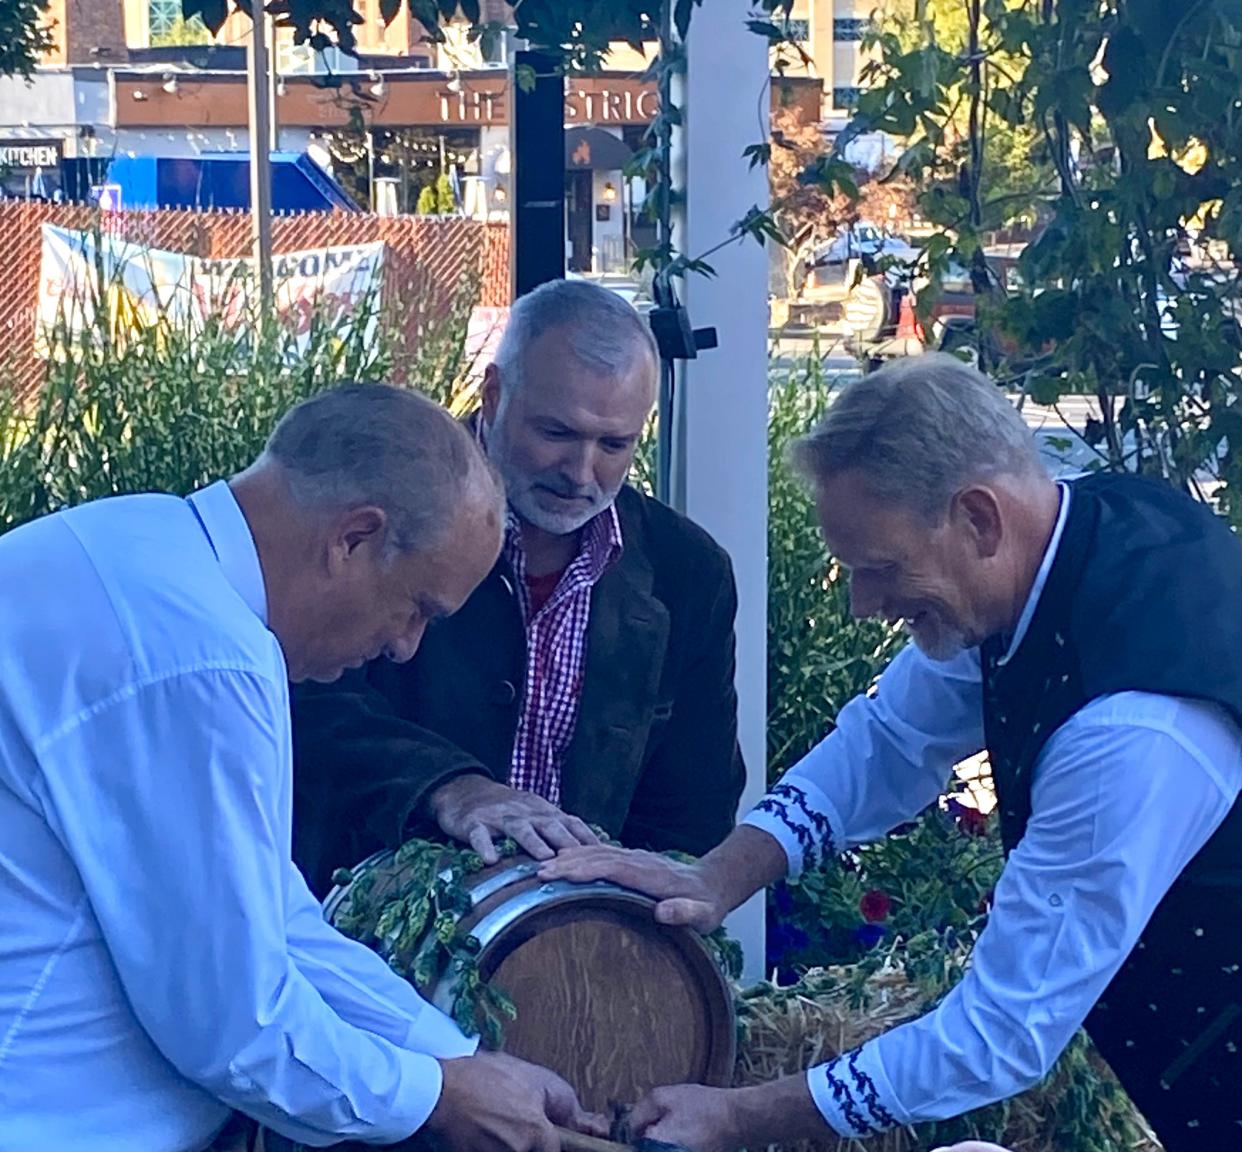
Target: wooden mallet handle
(578, 1142)
(572, 1141)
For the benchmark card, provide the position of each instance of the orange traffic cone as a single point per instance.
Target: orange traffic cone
(908, 327)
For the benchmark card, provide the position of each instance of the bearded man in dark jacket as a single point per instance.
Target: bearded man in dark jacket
(589, 678)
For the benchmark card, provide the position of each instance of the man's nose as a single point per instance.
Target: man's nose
(580, 466)
(865, 600)
(404, 647)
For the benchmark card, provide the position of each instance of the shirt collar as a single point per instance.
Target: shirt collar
(1041, 577)
(600, 541)
(229, 534)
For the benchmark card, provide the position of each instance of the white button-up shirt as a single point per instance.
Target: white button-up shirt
(161, 960)
(1124, 794)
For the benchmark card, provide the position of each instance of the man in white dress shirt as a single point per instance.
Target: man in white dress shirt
(162, 963)
(1089, 635)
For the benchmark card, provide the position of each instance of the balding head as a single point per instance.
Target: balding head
(374, 513)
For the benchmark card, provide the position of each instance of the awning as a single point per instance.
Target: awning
(595, 148)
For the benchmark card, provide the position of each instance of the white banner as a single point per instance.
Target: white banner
(483, 332)
(143, 287)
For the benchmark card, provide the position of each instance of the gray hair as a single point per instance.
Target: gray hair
(389, 447)
(605, 332)
(919, 429)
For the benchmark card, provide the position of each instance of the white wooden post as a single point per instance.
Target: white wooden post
(720, 450)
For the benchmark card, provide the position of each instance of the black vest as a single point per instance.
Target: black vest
(1145, 594)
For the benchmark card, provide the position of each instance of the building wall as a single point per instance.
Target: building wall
(849, 22)
(196, 141)
(608, 236)
(93, 31)
(402, 37)
(56, 56)
(101, 32)
(47, 101)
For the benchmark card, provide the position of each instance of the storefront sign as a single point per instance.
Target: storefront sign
(631, 103)
(30, 154)
(622, 101)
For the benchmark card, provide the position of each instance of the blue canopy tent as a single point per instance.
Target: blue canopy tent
(223, 181)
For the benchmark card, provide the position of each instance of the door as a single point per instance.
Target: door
(579, 209)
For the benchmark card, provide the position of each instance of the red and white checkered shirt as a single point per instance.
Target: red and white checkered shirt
(556, 637)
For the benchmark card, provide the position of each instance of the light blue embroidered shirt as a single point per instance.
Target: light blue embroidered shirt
(161, 960)
(1124, 795)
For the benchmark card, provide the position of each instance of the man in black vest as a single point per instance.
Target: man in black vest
(1089, 635)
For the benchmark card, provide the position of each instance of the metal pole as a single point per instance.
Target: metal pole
(537, 136)
(257, 76)
(273, 79)
(371, 168)
(665, 407)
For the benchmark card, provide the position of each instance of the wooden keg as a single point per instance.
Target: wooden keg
(614, 1002)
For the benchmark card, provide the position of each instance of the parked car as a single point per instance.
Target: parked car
(867, 242)
(838, 279)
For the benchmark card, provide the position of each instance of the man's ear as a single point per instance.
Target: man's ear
(979, 512)
(358, 533)
(490, 393)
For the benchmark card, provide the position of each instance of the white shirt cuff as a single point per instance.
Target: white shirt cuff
(426, 1079)
(434, 1034)
(801, 818)
(854, 1095)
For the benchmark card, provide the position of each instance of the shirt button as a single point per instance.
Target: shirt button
(505, 693)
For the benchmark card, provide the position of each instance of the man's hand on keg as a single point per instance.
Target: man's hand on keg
(685, 891)
(491, 1102)
(699, 895)
(479, 811)
(726, 1119)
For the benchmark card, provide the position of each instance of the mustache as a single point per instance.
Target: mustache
(559, 486)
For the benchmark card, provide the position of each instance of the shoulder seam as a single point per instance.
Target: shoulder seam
(129, 691)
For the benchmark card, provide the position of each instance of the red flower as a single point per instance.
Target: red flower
(970, 821)
(875, 906)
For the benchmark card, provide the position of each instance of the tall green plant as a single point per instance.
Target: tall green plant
(819, 656)
(437, 198)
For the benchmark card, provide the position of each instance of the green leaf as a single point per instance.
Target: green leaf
(526, 77)
(758, 154)
(768, 30)
(682, 10)
(1129, 72)
(213, 13)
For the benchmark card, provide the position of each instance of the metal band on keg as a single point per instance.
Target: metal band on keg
(340, 892)
(499, 920)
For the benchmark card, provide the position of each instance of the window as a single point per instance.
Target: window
(849, 29)
(845, 97)
(167, 27)
(302, 60)
(799, 30)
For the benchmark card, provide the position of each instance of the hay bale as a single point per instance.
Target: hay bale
(832, 1010)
